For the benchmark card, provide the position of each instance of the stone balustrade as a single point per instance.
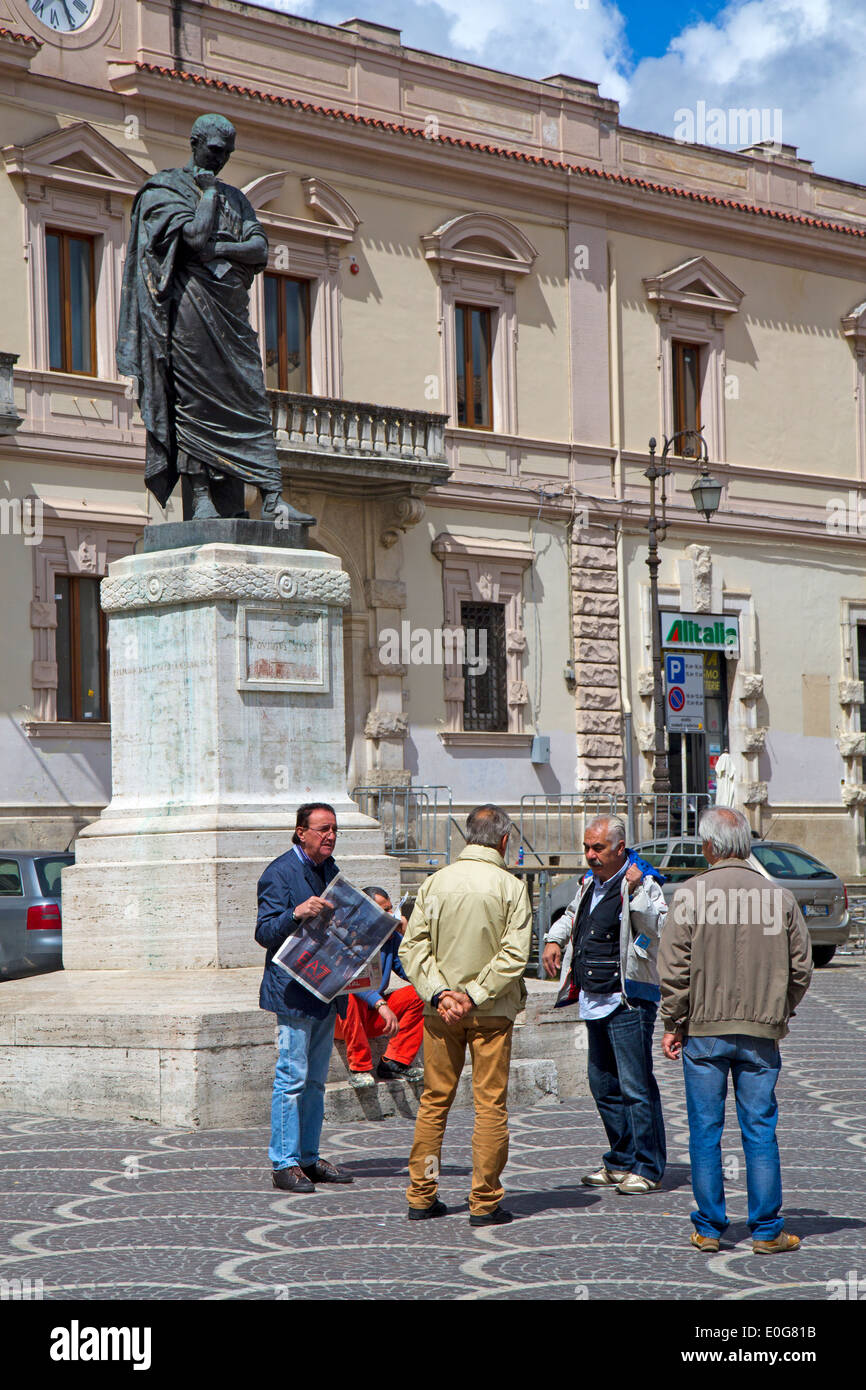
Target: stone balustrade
(307, 425)
(10, 419)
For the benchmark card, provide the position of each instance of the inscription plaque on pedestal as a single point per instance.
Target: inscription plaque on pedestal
(283, 648)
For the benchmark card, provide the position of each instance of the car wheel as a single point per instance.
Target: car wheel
(822, 955)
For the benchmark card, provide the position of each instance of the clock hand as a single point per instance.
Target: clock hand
(69, 14)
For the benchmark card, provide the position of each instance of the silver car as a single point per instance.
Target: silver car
(30, 918)
(821, 895)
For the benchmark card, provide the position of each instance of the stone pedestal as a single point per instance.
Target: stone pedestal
(227, 713)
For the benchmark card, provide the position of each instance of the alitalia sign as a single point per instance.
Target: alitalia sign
(706, 632)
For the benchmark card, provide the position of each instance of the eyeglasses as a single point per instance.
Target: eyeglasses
(322, 833)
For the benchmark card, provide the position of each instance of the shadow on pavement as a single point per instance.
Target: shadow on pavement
(556, 1198)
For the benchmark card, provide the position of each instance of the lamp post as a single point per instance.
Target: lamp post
(706, 493)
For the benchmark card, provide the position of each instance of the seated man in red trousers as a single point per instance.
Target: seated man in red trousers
(395, 1013)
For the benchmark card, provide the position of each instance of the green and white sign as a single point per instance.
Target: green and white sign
(701, 632)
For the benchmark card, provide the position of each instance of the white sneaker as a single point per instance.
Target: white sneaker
(361, 1079)
(605, 1177)
(635, 1185)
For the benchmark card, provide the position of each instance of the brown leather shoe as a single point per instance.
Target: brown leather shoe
(783, 1242)
(322, 1171)
(709, 1244)
(292, 1180)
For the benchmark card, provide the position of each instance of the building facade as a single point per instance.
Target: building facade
(484, 296)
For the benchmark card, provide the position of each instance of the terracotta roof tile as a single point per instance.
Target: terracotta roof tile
(498, 152)
(19, 38)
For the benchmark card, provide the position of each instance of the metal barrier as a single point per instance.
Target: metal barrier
(856, 943)
(416, 820)
(553, 826)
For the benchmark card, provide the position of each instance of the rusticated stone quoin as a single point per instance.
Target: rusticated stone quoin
(385, 724)
(595, 617)
(597, 722)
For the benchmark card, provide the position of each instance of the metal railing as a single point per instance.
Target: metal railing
(856, 943)
(416, 820)
(552, 827)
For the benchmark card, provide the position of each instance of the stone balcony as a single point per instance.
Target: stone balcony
(10, 420)
(351, 444)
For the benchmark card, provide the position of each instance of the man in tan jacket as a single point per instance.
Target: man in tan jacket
(734, 962)
(465, 951)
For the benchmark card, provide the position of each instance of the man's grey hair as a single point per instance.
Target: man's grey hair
(727, 831)
(486, 825)
(616, 829)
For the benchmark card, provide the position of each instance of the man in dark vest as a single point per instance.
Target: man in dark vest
(610, 934)
(289, 890)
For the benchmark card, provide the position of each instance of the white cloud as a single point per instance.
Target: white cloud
(803, 57)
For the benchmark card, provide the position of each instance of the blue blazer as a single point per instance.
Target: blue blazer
(284, 885)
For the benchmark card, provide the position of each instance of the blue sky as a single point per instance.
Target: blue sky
(800, 62)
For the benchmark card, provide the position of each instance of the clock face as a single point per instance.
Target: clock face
(63, 16)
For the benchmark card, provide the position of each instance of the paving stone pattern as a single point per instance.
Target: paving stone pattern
(102, 1211)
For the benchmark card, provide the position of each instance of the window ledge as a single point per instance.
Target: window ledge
(463, 738)
(84, 728)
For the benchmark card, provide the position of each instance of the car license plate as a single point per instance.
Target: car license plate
(816, 910)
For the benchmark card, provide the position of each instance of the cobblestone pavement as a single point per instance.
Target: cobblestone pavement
(104, 1211)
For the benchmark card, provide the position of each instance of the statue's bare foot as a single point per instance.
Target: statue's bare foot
(202, 505)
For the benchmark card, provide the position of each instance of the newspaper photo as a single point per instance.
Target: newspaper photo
(338, 949)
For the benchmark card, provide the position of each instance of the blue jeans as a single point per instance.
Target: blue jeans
(620, 1073)
(298, 1104)
(754, 1064)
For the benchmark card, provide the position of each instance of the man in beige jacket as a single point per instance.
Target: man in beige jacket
(734, 962)
(465, 951)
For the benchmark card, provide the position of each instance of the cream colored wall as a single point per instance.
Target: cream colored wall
(503, 774)
(543, 359)
(785, 347)
(14, 311)
(797, 592)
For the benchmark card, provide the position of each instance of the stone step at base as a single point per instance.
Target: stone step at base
(530, 1083)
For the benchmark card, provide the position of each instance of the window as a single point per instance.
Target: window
(10, 879)
(785, 862)
(287, 334)
(687, 392)
(82, 660)
(485, 702)
(474, 385)
(70, 278)
(50, 874)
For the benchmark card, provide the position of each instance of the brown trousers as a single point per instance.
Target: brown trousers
(489, 1040)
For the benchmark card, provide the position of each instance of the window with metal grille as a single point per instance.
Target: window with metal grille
(485, 705)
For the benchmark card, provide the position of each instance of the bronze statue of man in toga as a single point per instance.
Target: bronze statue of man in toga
(195, 245)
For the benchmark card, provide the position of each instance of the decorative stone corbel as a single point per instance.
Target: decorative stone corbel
(852, 745)
(751, 685)
(851, 692)
(515, 640)
(755, 794)
(645, 681)
(754, 740)
(646, 737)
(385, 724)
(405, 513)
(518, 693)
(853, 794)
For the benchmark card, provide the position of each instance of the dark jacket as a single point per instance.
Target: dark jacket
(284, 885)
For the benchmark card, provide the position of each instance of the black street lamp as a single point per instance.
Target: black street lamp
(706, 494)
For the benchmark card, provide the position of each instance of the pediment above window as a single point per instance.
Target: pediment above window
(480, 241)
(338, 220)
(695, 284)
(77, 157)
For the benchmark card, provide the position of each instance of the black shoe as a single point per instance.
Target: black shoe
(322, 1171)
(499, 1217)
(437, 1208)
(389, 1070)
(292, 1180)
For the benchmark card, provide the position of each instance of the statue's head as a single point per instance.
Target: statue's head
(212, 140)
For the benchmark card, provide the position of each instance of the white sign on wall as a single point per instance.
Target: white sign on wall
(283, 648)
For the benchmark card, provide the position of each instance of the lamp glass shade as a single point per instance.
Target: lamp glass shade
(707, 494)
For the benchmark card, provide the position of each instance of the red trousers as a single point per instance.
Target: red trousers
(362, 1022)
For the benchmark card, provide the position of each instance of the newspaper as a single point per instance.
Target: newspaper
(329, 953)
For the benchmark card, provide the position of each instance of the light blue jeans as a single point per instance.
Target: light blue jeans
(754, 1064)
(298, 1104)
